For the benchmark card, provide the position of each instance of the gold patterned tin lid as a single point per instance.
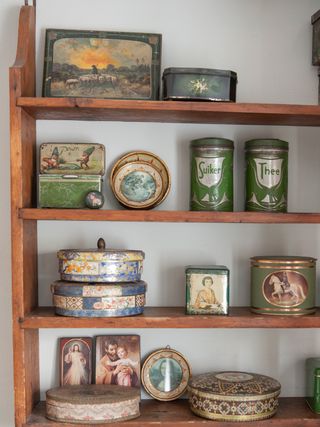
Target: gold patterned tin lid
(90, 394)
(233, 383)
(101, 254)
(277, 261)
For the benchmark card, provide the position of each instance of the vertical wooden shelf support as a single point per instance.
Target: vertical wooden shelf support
(24, 233)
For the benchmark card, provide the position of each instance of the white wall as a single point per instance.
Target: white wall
(268, 43)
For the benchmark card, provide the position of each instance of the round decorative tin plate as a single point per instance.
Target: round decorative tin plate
(233, 396)
(165, 374)
(137, 185)
(92, 404)
(146, 183)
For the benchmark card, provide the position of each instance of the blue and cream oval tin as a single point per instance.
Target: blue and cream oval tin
(95, 300)
(100, 265)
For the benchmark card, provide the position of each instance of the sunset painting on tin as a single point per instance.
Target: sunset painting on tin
(102, 64)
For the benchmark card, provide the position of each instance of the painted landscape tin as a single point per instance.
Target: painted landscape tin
(211, 174)
(92, 404)
(266, 175)
(96, 300)
(313, 383)
(283, 285)
(207, 289)
(100, 265)
(199, 84)
(233, 396)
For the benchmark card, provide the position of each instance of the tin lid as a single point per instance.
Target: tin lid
(233, 383)
(290, 260)
(205, 268)
(211, 142)
(72, 159)
(315, 17)
(266, 143)
(100, 254)
(61, 287)
(93, 394)
(203, 71)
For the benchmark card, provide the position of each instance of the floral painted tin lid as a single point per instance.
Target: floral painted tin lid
(101, 254)
(204, 71)
(233, 383)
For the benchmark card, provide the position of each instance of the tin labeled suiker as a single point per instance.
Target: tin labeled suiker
(199, 84)
(96, 300)
(283, 285)
(233, 396)
(211, 174)
(100, 265)
(266, 175)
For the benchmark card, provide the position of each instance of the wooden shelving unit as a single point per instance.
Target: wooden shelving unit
(28, 317)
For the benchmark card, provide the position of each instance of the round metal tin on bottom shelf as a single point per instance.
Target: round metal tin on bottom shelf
(95, 300)
(92, 404)
(233, 396)
(283, 285)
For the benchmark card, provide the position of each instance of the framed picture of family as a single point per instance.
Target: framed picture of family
(75, 361)
(165, 374)
(117, 360)
(102, 64)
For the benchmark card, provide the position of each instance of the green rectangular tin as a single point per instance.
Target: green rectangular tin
(283, 285)
(315, 21)
(313, 383)
(207, 289)
(199, 84)
(66, 191)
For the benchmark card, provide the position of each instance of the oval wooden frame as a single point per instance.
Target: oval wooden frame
(154, 357)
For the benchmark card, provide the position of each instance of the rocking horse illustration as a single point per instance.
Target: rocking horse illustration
(283, 288)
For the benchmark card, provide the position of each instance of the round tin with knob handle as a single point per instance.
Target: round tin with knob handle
(100, 265)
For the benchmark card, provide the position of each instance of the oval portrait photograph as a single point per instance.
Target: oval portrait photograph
(165, 374)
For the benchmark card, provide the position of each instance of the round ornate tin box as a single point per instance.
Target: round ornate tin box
(92, 404)
(211, 174)
(96, 300)
(266, 175)
(283, 285)
(100, 265)
(233, 396)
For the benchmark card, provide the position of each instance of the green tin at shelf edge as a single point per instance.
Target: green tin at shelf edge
(266, 175)
(313, 383)
(211, 174)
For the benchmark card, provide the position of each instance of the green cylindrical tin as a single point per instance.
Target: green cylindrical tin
(266, 175)
(211, 174)
(313, 383)
(283, 285)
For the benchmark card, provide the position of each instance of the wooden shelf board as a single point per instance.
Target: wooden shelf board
(292, 412)
(168, 216)
(170, 317)
(170, 111)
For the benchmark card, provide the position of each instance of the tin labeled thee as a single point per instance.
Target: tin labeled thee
(283, 285)
(266, 175)
(211, 174)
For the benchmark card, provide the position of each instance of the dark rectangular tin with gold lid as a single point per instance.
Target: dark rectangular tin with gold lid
(283, 285)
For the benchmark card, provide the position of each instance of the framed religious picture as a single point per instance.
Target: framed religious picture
(117, 360)
(207, 289)
(165, 374)
(102, 64)
(75, 361)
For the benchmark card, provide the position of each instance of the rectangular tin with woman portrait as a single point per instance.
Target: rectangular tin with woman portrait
(75, 361)
(118, 360)
(207, 289)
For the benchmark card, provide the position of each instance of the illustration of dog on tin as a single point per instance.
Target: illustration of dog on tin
(285, 291)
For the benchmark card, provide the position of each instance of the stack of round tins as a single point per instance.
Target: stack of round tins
(92, 404)
(140, 180)
(233, 396)
(99, 282)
